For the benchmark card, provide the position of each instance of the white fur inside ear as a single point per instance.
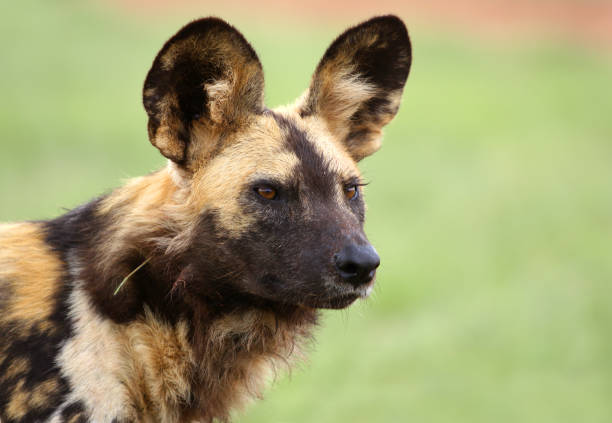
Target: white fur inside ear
(218, 99)
(341, 96)
(344, 94)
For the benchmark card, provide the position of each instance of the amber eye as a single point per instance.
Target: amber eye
(351, 192)
(266, 192)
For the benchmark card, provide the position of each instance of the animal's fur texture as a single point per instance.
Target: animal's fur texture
(238, 241)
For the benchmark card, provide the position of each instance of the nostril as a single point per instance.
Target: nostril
(348, 268)
(357, 263)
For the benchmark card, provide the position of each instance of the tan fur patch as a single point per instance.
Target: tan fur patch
(18, 404)
(162, 366)
(165, 138)
(140, 213)
(142, 194)
(76, 418)
(41, 393)
(18, 366)
(258, 153)
(31, 271)
(23, 400)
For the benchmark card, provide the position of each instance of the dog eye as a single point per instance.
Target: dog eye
(266, 192)
(351, 192)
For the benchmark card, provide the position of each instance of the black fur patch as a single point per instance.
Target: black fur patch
(385, 62)
(75, 412)
(79, 234)
(314, 170)
(40, 349)
(73, 230)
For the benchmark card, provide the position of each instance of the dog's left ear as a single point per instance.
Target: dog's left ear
(205, 82)
(358, 83)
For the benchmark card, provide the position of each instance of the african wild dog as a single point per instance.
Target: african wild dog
(254, 225)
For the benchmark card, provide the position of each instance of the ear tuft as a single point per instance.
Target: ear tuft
(208, 75)
(358, 83)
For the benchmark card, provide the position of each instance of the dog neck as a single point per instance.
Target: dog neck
(190, 354)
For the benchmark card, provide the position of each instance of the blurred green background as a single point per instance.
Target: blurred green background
(490, 204)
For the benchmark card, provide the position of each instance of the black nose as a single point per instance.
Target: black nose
(357, 263)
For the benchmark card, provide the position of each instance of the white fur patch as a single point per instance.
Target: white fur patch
(91, 361)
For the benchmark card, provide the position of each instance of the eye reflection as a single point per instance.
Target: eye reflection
(268, 193)
(351, 192)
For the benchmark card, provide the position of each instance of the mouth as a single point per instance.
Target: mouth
(333, 294)
(345, 299)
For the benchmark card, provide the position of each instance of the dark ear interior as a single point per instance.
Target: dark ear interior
(206, 79)
(358, 83)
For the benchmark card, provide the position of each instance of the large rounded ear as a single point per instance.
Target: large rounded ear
(357, 86)
(205, 81)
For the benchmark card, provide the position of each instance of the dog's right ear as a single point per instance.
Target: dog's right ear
(357, 86)
(205, 81)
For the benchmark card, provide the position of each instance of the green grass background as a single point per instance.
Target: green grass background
(490, 204)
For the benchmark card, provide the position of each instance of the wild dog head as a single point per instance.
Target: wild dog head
(274, 206)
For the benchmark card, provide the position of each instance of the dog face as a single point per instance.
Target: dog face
(274, 204)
